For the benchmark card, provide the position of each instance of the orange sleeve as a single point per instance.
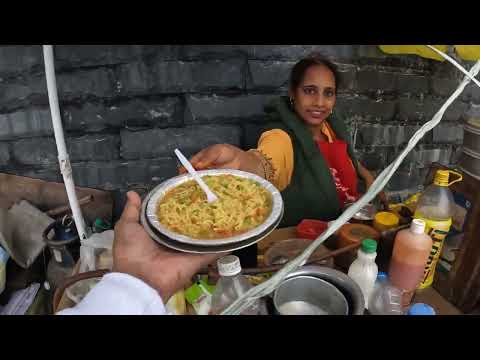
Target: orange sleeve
(277, 146)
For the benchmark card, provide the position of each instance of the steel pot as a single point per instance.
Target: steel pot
(349, 289)
(309, 295)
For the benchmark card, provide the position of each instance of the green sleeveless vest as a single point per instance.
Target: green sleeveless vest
(311, 193)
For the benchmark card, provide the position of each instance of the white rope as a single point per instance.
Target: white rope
(271, 284)
(457, 65)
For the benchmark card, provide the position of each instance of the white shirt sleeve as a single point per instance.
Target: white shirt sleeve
(119, 294)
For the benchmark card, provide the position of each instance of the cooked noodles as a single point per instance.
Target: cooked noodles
(242, 205)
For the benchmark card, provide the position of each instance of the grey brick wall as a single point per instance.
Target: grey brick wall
(126, 107)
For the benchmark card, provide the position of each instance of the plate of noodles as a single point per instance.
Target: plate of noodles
(199, 249)
(247, 206)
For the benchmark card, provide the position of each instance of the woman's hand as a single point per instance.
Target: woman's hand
(381, 195)
(136, 254)
(224, 156)
(220, 156)
(369, 179)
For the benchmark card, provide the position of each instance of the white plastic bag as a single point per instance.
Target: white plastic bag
(77, 291)
(96, 252)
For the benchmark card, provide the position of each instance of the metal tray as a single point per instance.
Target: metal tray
(159, 191)
(199, 249)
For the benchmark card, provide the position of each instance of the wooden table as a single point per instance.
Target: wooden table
(429, 296)
(433, 298)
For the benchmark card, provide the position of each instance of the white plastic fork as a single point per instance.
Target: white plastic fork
(211, 197)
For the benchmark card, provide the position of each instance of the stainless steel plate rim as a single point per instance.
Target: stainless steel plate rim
(471, 153)
(473, 122)
(160, 190)
(205, 249)
(472, 129)
(471, 156)
(366, 213)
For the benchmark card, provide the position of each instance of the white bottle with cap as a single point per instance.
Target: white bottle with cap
(364, 270)
(231, 285)
(409, 257)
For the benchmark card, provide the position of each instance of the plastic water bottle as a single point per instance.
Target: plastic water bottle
(364, 270)
(231, 285)
(385, 299)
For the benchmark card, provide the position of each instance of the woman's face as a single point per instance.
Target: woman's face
(315, 97)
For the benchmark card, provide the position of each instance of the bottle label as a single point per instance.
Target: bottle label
(58, 255)
(437, 230)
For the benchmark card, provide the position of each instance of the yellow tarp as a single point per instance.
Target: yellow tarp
(420, 50)
(468, 52)
(465, 52)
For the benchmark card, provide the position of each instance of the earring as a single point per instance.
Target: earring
(291, 101)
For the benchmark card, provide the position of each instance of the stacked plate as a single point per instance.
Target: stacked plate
(470, 159)
(179, 242)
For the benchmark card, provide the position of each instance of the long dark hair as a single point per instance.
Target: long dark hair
(299, 69)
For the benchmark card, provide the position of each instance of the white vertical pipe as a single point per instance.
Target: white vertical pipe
(65, 167)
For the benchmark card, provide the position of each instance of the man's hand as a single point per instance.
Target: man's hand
(137, 254)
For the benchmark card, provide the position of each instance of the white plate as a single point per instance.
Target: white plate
(159, 192)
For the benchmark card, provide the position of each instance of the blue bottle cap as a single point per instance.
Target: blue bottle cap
(382, 276)
(421, 309)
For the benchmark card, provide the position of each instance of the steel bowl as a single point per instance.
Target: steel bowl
(309, 295)
(283, 251)
(348, 287)
(159, 192)
(366, 213)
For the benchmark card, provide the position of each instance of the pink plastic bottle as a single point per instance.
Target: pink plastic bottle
(410, 254)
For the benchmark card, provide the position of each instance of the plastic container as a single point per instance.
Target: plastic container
(410, 253)
(311, 229)
(385, 220)
(231, 285)
(421, 309)
(176, 305)
(385, 298)
(199, 295)
(435, 206)
(353, 234)
(364, 270)
(4, 256)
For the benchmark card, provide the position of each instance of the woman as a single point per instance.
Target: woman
(304, 149)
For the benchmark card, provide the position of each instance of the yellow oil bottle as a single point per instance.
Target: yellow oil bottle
(435, 207)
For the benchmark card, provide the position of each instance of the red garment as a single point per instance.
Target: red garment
(342, 169)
